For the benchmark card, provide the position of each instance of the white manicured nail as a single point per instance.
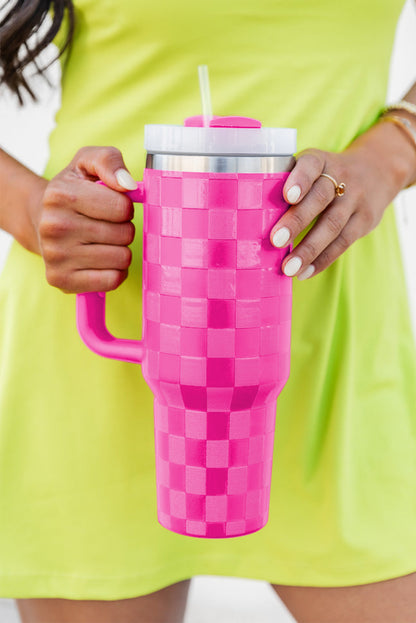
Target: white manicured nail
(281, 236)
(124, 178)
(308, 272)
(292, 266)
(293, 194)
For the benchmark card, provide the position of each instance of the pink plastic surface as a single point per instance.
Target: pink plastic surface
(223, 122)
(91, 325)
(197, 121)
(216, 344)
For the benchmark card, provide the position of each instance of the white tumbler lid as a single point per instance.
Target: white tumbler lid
(237, 136)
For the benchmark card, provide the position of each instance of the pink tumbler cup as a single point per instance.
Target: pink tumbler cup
(215, 347)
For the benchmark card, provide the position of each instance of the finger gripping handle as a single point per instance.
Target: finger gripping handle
(90, 311)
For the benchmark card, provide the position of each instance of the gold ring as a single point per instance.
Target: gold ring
(339, 188)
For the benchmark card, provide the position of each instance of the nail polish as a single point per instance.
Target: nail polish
(124, 178)
(293, 194)
(281, 237)
(292, 266)
(308, 272)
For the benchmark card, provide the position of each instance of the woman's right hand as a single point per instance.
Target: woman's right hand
(84, 228)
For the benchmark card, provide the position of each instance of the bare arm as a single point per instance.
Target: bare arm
(21, 194)
(411, 94)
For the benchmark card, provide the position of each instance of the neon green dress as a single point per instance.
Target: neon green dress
(77, 468)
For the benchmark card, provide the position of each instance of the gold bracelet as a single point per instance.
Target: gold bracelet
(402, 105)
(407, 128)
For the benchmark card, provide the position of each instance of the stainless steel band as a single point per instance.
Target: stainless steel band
(220, 164)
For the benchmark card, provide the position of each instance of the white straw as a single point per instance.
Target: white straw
(205, 93)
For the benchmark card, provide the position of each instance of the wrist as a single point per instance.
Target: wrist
(393, 152)
(34, 204)
(25, 229)
(20, 201)
(405, 122)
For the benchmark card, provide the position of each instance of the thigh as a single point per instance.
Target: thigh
(165, 605)
(390, 601)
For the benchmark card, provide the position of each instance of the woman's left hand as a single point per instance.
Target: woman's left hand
(374, 168)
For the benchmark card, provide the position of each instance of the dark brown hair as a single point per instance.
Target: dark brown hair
(22, 19)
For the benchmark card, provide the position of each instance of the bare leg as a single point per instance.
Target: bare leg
(391, 601)
(164, 606)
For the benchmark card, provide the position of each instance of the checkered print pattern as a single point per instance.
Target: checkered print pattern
(214, 469)
(216, 323)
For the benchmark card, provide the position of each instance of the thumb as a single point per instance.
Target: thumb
(106, 164)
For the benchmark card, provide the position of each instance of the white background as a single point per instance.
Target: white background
(24, 133)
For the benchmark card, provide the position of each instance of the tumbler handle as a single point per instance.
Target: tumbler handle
(90, 311)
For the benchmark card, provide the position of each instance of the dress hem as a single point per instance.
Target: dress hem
(87, 588)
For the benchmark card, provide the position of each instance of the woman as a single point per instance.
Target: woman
(79, 539)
